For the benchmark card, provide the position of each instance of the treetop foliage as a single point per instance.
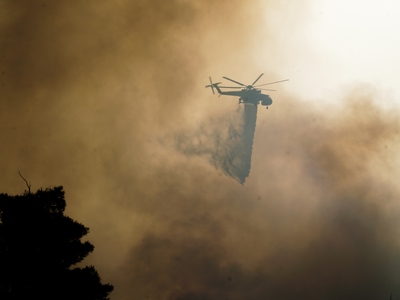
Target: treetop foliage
(38, 247)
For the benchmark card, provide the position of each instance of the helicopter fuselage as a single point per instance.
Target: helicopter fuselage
(248, 95)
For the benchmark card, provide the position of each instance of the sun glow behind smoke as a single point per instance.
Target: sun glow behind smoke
(338, 44)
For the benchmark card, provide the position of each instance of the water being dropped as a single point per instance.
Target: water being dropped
(226, 141)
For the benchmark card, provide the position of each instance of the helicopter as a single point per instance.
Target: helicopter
(249, 94)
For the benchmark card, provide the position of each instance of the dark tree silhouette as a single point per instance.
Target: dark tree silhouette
(38, 247)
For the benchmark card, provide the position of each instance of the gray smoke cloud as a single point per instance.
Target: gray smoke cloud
(88, 91)
(319, 223)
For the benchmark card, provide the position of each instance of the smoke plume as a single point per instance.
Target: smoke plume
(88, 90)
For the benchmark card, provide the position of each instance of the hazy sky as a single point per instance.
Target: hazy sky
(340, 43)
(93, 94)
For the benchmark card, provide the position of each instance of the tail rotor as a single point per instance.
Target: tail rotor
(212, 85)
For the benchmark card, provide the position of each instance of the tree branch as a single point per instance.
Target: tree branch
(27, 184)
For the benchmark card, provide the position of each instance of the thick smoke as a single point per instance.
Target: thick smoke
(226, 141)
(320, 221)
(87, 92)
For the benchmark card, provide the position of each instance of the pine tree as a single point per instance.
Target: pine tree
(39, 246)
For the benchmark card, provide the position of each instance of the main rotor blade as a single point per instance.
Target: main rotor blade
(271, 82)
(257, 79)
(234, 81)
(267, 90)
